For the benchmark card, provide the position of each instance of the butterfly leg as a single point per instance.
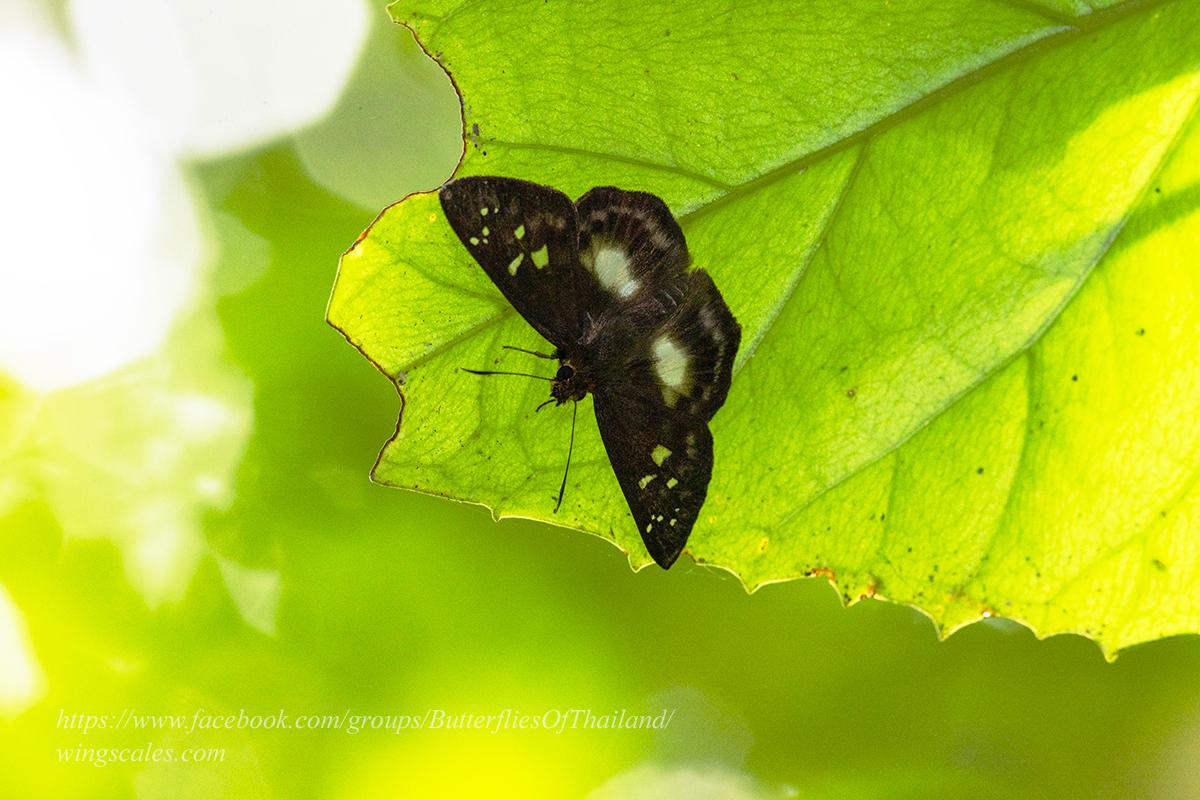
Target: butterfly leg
(530, 352)
(570, 449)
(497, 372)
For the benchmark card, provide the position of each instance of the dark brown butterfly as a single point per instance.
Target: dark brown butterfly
(605, 280)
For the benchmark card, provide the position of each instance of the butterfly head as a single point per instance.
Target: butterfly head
(569, 383)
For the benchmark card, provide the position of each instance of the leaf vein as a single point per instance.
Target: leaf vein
(1031, 373)
(1029, 343)
(1033, 7)
(1156, 519)
(467, 333)
(747, 352)
(580, 152)
(1054, 38)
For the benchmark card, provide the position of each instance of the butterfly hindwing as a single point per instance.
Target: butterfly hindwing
(663, 462)
(629, 241)
(691, 352)
(525, 236)
(675, 345)
(662, 377)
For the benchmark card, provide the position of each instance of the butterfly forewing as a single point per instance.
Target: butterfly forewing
(525, 236)
(629, 241)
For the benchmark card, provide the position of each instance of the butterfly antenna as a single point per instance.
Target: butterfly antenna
(543, 405)
(495, 372)
(530, 352)
(570, 449)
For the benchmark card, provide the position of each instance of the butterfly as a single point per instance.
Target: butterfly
(605, 280)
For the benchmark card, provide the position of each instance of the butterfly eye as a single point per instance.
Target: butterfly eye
(565, 373)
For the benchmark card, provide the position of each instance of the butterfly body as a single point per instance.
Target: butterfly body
(606, 281)
(570, 383)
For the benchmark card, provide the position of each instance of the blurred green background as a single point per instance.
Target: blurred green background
(195, 531)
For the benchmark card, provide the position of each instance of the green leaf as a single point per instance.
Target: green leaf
(959, 237)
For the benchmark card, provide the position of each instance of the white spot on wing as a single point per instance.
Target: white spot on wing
(611, 266)
(709, 320)
(660, 454)
(540, 257)
(516, 262)
(671, 366)
(670, 362)
(645, 481)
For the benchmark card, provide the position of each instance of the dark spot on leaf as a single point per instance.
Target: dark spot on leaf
(1140, 332)
(851, 392)
(1160, 566)
(979, 471)
(1074, 377)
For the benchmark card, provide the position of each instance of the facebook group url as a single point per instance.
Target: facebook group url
(556, 720)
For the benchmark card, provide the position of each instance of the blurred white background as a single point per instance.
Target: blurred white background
(108, 98)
